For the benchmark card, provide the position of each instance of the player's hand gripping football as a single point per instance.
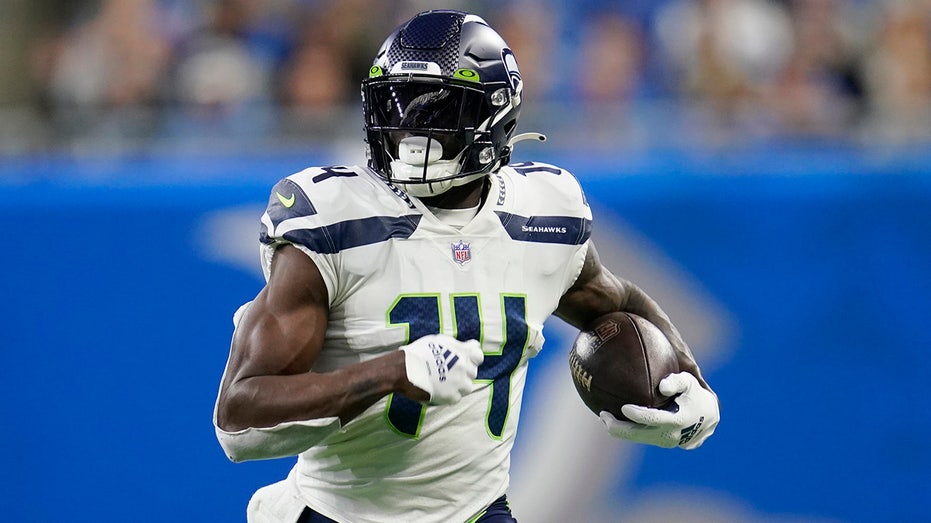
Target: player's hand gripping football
(442, 366)
(689, 427)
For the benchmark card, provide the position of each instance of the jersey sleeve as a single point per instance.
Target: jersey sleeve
(553, 188)
(549, 205)
(575, 205)
(292, 218)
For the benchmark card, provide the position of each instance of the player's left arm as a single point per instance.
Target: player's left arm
(596, 292)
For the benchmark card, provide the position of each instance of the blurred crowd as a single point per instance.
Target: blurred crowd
(196, 73)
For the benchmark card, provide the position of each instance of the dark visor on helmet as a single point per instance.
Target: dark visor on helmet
(445, 112)
(426, 105)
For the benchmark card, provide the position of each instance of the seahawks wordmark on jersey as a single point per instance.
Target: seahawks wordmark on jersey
(395, 273)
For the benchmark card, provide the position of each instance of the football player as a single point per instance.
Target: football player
(404, 299)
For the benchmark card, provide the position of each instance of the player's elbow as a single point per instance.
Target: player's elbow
(234, 445)
(284, 439)
(231, 429)
(227, 415)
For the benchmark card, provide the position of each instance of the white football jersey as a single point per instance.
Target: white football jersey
(394, 273)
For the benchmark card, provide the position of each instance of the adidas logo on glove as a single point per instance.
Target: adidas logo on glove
(442, 359)
(442, 366)
(689, 432)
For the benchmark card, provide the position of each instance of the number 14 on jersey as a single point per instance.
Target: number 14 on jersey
(422, 315)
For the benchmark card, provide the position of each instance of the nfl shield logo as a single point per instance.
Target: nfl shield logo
(462, 253)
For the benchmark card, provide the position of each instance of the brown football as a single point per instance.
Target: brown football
(621, 359)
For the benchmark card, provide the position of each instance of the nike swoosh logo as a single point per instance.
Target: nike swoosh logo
(287, 202)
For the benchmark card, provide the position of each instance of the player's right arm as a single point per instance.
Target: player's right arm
(272, 404)
(268, 379)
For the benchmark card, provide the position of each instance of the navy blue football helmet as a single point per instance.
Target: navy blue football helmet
(441, 103)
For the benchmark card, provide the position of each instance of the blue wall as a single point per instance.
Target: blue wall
(114, 329)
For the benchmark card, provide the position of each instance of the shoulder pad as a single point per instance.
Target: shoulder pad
(542, 184)
(329, 208)
(539, 202)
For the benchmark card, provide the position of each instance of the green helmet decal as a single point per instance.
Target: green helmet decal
(466, 74)
(376, 70)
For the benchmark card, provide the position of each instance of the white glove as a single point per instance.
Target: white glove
(696, 419)
(442, 366)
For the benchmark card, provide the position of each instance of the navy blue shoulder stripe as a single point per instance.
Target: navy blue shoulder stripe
(288, 200)
(568, 230)
(331, 239)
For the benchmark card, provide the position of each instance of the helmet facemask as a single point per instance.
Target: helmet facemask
(427, 133)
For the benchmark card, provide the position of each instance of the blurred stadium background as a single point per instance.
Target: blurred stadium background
(763, 167)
